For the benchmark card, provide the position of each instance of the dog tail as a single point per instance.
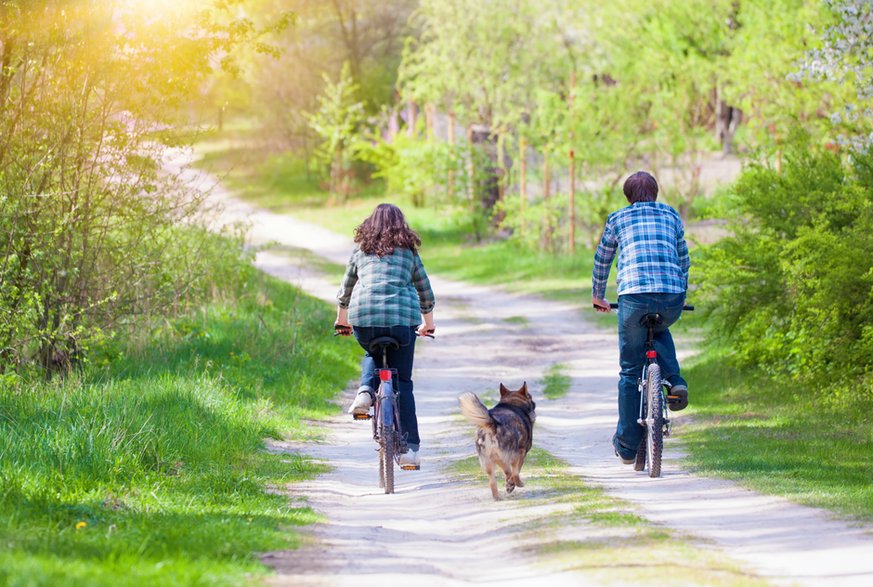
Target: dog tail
(474, 410)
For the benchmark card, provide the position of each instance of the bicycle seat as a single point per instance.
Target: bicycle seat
(384, 341)
(652, 320)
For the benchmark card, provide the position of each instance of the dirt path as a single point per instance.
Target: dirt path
(435, 531)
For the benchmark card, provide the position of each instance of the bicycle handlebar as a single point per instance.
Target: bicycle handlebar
(339, 330)
(614, 306)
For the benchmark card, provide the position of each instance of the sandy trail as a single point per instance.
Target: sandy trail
(435, 532)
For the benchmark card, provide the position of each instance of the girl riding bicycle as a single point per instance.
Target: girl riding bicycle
(386, 292)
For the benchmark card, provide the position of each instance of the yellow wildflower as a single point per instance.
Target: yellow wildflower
(80, 525)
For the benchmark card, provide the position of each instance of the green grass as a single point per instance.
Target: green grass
(555, 382)
(152, 470)
(609, 542)
(787, 439)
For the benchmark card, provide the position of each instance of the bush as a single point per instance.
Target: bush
(792, 290)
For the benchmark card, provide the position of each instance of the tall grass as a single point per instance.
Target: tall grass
(148, 468)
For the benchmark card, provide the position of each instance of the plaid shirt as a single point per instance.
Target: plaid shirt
(386, 291)
(652, 254)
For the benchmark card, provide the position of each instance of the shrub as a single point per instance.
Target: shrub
(792, 290)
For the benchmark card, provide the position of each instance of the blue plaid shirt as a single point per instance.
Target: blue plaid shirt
(652, 254)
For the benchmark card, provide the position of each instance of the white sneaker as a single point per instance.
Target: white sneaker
(410, 461)
(362, 403)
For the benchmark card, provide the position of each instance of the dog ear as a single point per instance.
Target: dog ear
(524, 388)
(503, 390)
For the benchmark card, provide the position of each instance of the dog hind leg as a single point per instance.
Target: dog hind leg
(517, 469)
(489, 470)
(510, 479)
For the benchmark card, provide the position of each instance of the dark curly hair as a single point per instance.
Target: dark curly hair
(384, 230)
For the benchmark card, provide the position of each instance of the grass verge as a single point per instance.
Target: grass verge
(599, 535)
(555, 382)
(151, 470)
(780, 438)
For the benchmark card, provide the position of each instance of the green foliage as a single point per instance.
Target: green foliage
(780, 437)
(337, 122)
(413, 167)
(770, 38)
(90, 219)
(149, 469)
(791, 291)
(482, 61)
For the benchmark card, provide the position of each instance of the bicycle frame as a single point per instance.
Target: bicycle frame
(386, 406)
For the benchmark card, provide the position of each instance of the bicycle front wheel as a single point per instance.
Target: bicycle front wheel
(654, 420)
(386, 458)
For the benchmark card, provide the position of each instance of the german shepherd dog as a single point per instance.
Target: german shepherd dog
(505, 433)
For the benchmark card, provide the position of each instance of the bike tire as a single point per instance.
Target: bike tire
(640, 460)
(654, 420)
(377, 431)
(386, 458)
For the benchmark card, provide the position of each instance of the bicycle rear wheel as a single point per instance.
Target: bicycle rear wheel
(654, 439)
(386, 458)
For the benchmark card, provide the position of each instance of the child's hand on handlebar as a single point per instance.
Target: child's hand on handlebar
(425, 330)
(342, 329)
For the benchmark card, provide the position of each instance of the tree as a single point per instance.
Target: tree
(366, 34)
(91, 225)
(846, 58)
(337, 121)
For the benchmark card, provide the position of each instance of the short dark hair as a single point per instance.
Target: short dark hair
(641, 187)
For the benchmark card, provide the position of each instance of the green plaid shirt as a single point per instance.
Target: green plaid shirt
(386, 291)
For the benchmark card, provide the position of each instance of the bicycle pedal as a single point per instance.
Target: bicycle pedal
(361, 416)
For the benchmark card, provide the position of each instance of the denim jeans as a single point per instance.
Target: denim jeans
(632, 348)
(400, 359)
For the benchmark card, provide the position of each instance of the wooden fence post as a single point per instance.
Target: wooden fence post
(547, 192)
(451, 179)
(572, 219)
(428, 119)
(522, 181)
(471, 168)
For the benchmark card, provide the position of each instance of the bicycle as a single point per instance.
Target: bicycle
(654, 399)
(387, 430)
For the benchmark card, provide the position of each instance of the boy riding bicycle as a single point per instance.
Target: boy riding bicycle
(653, 264)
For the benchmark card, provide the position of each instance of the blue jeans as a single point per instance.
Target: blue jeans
(632, 349)
(401, 359)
